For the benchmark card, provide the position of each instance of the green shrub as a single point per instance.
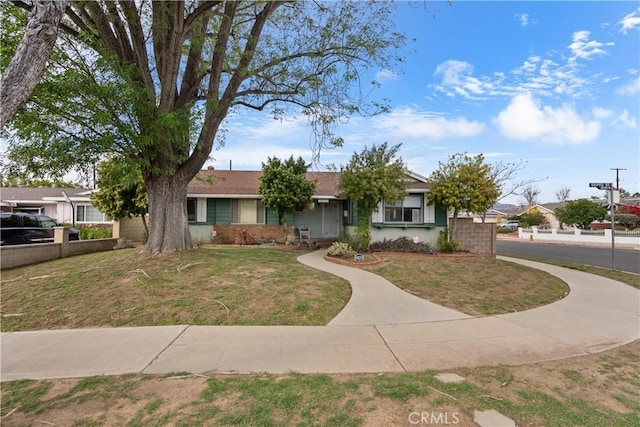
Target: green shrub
(145, 236)
(357, 242)
(291, 240)
(446, 245)
(402, 244)
(504, 230)
(91, 233)
(341, 250)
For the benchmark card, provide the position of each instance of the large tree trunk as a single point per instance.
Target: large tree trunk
(168, 223)
(28, 63)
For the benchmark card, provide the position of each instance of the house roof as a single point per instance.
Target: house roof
(34, 194)
(226, 183)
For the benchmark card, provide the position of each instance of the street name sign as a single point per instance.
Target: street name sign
(601, 185)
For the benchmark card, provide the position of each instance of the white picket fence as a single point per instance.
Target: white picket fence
(580, 236)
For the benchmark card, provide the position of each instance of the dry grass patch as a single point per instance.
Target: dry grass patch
(473, 285)
(206, 286)
(595, 390)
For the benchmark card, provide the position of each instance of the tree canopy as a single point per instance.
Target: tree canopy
(374, 175)
(284, 186)
(153, 82)
(580, 213)
(464, 184)
(121, 191)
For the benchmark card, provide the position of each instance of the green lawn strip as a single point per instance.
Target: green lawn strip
(206, 286)
(621, 276)
(473, 285)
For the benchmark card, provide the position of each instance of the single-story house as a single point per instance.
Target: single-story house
(50, 201)
(223, 204)
(546, 209)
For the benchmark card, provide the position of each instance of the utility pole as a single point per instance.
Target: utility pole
(614, 196)
(618, 176)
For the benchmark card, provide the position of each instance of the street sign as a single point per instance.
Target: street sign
(601, 185)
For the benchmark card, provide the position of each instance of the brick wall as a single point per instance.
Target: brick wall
(477, 238)
(255, 233)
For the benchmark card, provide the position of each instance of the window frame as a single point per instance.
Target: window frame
(405, 210)
(192, 216)
(261, 212)
(84, 206)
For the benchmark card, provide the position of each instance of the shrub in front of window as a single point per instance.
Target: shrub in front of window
(356, 241)
(402, 244)
(91, 233)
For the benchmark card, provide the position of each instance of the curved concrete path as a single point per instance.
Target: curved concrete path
(598, 314)
(376, 301)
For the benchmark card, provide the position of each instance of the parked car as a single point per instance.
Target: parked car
(512, 225)
(17, 228)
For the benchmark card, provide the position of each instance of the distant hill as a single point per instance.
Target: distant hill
(504, 206)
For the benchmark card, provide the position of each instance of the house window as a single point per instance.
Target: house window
(89, 213)
(407, 210)
(36, 211)
(192, 206)
(247, 211)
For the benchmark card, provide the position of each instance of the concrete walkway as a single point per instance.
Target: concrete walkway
(381, 329)
(376, 301)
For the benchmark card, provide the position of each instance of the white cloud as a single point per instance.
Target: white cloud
(525, 19)
(551, 75)
(386, 75)
(408, 123)
(454, 72)
(457, 79)
(630, 89)
(625, 120)
(630, 21)
(602, 113)
(584, 48)
(526, 119)
(529, 66)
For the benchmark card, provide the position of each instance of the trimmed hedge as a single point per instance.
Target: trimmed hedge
(402, 244)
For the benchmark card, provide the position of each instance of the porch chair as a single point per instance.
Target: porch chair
(303, 233)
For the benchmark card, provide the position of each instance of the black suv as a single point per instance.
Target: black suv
(18, 228)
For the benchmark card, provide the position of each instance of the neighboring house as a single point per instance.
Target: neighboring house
(489, 217)
(226, 203)
(548, 211)
(503, 215)
(51, 202)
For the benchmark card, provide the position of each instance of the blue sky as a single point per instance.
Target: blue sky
(556, 84)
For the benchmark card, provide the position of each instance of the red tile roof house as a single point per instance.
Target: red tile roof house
(224, 204)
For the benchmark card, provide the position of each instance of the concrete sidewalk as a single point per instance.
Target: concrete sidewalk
(380, 330)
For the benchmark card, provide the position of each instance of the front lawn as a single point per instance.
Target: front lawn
(206, 286)
(473, 285)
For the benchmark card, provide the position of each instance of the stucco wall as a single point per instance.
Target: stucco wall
(15, 256)
(129, 228)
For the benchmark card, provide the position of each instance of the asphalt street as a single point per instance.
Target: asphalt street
(625, 259)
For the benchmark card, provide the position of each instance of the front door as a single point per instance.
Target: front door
(330, 219)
